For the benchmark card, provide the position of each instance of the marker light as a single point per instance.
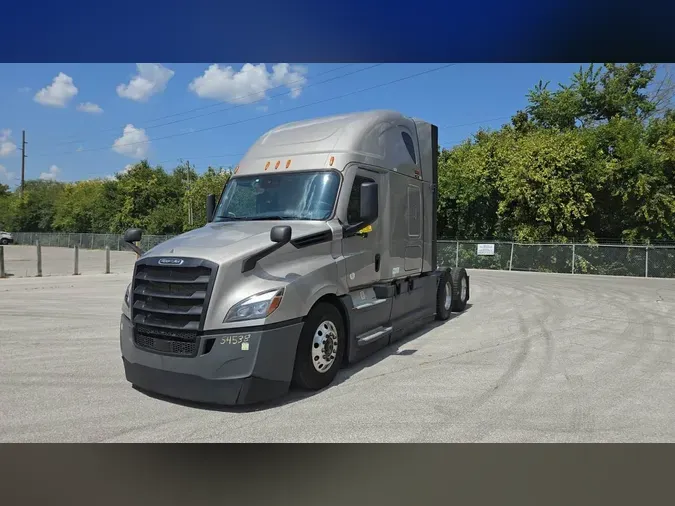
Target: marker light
(277, 165)
(288, 163)
(332, 159)
(267, 165)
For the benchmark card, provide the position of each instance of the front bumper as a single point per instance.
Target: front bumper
(238, 366)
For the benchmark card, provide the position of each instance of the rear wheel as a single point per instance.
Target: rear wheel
(321, 347)
(460, 296)
(444, 296)
(4, 241)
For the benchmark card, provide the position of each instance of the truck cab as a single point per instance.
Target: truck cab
(320, 251)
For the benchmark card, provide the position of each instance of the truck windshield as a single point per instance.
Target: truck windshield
(281, 196)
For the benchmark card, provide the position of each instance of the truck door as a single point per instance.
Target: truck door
(362, 252)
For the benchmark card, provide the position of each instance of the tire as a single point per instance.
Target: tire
(445, 289)
(306, 374)
(460, 285)
(4, 241)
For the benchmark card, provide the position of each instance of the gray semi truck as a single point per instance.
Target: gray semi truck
(320, 251)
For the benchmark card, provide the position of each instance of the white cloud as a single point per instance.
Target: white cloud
(51, 174)
(79, 148)
(7, 147)
(57, 94)
(90, 108)
(127, 168)
(151, 79)
(133, 143)
(248, 85)
(25, 89)
(6, 175)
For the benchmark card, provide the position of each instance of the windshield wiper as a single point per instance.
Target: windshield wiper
(263, 218)
(229, 218)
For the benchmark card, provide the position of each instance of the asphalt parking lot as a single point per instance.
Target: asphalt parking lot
(536, 357)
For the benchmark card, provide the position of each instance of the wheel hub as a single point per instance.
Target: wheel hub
(324, 346)
(447, 303)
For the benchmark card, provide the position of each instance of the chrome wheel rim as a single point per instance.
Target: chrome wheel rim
(447, 304)
(463, 289)
(324, 346)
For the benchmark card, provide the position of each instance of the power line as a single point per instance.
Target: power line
(168, 160)
(474, 122)
(229, 108)
(337, 97)
(116, 129)
(273, 96)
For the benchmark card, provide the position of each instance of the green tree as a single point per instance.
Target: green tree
(141, 191)
(545, 186)
(34, 212)
(210, 182)
(81, 208)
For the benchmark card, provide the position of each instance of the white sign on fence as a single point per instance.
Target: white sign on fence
(485, 249)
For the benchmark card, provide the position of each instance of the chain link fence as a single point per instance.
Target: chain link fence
(85, 241)
(606, 259)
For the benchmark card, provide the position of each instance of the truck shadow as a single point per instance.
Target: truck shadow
(294, 395)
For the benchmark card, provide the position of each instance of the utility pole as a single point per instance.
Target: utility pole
(189, 194)
(23, 160)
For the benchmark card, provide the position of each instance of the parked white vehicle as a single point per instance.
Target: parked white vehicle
(6, 238)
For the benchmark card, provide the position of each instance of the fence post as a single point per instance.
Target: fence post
(107, 259)
(77, 260)
(92, 242)
(39, 258)
(511, 257)
(2, 262)
(457, 256)
(647, 261)
(573, 257)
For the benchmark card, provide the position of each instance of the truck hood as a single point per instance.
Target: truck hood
(223, 242)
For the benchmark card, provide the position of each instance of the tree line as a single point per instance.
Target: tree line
(585, 161)
(145, 197)
(591, 160)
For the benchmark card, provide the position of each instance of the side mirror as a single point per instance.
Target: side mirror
(210, 207)
(133, 235)
(369, 202)
(280, 234)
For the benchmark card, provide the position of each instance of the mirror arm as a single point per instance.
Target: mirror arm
(249, 263)
(134, 248)
(350, 230)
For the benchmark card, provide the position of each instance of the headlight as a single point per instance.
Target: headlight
(258, 306)
(126, 295)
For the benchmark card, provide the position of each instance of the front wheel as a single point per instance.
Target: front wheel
(320, 349)
(460, 283)
(4, 241)
(444, 296)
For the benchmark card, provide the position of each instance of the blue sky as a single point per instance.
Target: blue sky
(84, 121)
